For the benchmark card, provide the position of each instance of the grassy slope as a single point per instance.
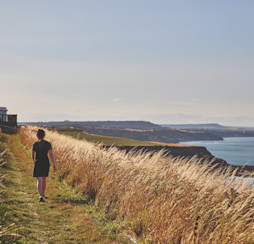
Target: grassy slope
(108, 140)
(164, 135)
(163, 200)
(66, 217)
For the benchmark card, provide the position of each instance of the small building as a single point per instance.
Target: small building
(3, 114)
(8, 122)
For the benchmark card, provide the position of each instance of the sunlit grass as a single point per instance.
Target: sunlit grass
(8, 229)
(161, 199)
(66, 216)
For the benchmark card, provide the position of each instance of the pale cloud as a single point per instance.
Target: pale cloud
(117, 99)
(194, 100)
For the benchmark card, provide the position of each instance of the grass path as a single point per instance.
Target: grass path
(65, 217)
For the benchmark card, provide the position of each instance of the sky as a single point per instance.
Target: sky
(156, 60)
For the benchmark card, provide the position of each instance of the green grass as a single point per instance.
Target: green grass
(65, 217)
(107, 140)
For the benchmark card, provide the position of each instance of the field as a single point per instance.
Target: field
(108, 140)
(156, 199)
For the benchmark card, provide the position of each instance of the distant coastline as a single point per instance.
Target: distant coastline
(235, 150)
(147, 131)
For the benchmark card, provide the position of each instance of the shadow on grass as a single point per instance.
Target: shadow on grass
(71, 201)
(76, 201)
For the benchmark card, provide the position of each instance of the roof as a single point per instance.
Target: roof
(3, 109)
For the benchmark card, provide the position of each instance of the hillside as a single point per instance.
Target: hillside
(147, 131)
(215, 129)
(155, 199)
(105, 140)
(194, 126)
(136, 130)
(135, 125)
(164, 135)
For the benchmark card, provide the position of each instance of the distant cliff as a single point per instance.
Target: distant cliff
(137, 130)
(135, 125)
(165, 135)
(215, 129)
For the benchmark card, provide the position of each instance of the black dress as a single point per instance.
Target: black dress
(41, 164)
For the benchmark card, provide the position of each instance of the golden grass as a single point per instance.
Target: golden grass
(162, 199)
(65, 217)
(7, 230)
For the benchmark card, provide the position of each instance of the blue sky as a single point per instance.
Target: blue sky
(163, 61)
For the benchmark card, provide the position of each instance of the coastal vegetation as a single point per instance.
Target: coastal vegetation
(136, 130)
(65, 217)
(175, 150)
(7, 227)
(158, 199)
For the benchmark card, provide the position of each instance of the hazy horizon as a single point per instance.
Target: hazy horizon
(162, 61)
(162, 124)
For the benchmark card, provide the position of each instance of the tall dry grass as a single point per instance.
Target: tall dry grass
(7, 230)
(161, 199)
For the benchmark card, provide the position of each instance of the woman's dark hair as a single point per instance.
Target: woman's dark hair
(40, 134)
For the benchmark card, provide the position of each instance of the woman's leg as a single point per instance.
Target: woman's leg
(40, 185)
(43, 185)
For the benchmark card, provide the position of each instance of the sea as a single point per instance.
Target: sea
(235, 150)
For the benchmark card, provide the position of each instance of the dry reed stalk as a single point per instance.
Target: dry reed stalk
(163, 199)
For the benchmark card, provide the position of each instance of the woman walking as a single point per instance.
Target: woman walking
(40, 151)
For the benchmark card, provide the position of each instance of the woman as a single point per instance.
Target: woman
(40, 151)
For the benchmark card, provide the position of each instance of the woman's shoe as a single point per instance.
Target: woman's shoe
(41, 199)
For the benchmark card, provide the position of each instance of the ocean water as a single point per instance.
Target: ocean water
(235, 150)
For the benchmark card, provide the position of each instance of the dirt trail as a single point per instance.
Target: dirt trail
(65, 217)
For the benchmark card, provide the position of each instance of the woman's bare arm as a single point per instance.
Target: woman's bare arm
(52, 158)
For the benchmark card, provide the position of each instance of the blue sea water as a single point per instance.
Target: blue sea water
(235, 150)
